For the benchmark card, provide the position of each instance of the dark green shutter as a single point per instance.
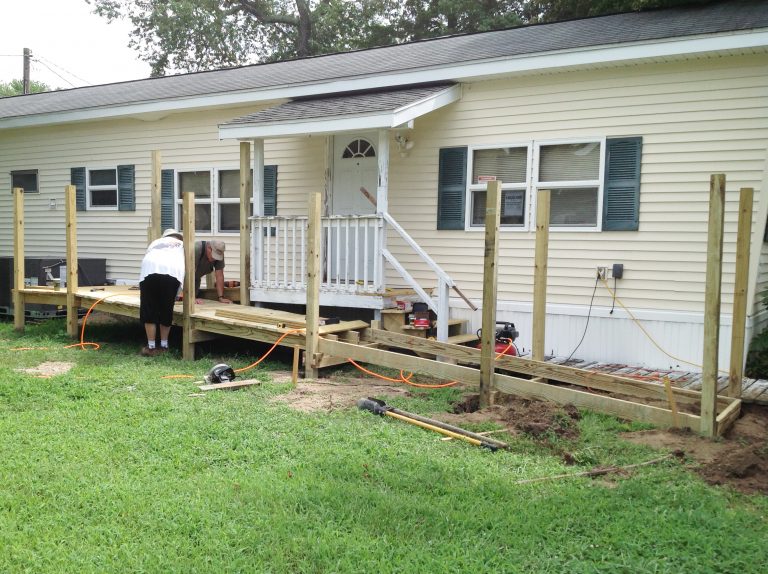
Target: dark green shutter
(126, 189)
(166, 199)
(77, 178)
(270, 190)
(451, 188)
(621, 198)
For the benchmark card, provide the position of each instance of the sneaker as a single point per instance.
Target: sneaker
(147, 352)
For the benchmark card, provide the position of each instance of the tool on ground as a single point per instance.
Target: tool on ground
(221, 373)
(381, 408)
(505, 338)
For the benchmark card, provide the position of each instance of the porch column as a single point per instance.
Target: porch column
(382, 205)
(245, 227)
(155, 228)
(254, 247)
(18, 259)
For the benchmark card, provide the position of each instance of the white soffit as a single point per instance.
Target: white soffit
(251, 127)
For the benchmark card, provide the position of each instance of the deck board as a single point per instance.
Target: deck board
(210, 315)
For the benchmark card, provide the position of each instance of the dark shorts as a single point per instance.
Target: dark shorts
(157, 296)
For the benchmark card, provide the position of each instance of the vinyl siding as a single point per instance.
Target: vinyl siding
(188, 141)
(696, 118)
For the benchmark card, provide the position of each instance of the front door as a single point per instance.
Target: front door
(355, 166)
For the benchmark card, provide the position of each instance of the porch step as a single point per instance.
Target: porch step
(463, 338)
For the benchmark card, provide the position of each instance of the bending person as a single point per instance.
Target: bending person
(162, 273)
(209, 256)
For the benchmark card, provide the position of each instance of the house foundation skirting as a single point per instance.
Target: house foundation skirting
(616, 337)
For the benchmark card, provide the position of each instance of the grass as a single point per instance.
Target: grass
(110, 468)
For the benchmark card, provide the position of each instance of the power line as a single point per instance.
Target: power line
(64, 70)
(11, 56)
(55, 72)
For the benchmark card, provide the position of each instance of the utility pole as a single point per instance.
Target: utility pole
(25, 81)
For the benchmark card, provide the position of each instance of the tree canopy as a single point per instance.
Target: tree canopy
(16, 88)
(195, 35)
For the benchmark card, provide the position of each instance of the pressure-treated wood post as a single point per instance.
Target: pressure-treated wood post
(740, 288)
(314, 269)
(712, 304)
(540, 275)
(188, 218)
(156, 214)
(246, 192)
(490, 281)
(70, 192)
(18, 258)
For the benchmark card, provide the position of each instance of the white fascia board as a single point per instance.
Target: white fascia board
(527, 63)
(428, 104)
(302, 127)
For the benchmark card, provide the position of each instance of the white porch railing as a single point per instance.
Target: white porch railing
(353, 256)
(351, 244)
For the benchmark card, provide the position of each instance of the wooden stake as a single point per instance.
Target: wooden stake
(295, 370)
(18, 259)
(70, 193)
(490, 282)
(740, 288)
(540, 274)
(314, 270)
(246, 192)
(672, 402)
(156, 227)
(712, 305)
(188, 218)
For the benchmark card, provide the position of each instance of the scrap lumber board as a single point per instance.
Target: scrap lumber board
(231, 385)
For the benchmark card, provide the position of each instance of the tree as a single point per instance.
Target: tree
(556, 10)
(194, 35)
(16, 88)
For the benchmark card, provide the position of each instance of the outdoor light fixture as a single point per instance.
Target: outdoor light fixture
(404, 145)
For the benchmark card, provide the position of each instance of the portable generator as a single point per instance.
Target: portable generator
(505, 338)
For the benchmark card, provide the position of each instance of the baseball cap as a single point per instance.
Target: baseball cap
(173, 233)
(217, 249)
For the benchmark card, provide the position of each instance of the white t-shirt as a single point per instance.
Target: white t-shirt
(164, 256)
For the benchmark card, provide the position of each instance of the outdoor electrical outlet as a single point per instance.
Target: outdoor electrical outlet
(602, 272)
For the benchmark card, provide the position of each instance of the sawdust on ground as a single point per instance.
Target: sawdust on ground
(738, 460)
(48, 369)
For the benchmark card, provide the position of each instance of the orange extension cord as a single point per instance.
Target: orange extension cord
(406, 379)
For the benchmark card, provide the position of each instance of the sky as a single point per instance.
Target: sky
(71, 47)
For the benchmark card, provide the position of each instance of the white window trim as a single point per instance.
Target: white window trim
(536, 185)
(89, 188)
(526, 187)
(214, 200)
(533, 185)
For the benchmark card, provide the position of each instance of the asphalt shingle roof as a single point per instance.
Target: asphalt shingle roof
(453, 50)
(344, 104)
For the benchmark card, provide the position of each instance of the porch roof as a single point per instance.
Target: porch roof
(370, 109)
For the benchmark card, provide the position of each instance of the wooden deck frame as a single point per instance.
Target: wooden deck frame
(322, 344)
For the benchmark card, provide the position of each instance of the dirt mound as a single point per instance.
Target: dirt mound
(738, 460)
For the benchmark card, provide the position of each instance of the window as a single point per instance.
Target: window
(217, 197)
(508, 165)
(229, 199)
(572, 171)
(199, 183)
(26, 179)
(102, 189)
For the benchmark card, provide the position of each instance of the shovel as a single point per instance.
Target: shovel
(379, 407)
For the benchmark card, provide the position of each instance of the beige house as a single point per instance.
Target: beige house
(623, 117)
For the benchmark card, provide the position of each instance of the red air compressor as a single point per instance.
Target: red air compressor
(505, 338)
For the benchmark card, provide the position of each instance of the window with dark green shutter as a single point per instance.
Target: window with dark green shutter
(451, 188)
(621, 195)
(77, 178)
(270, 190)
(166, 199)
(126, 188)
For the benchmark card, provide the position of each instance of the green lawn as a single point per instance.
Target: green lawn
(109, 468)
